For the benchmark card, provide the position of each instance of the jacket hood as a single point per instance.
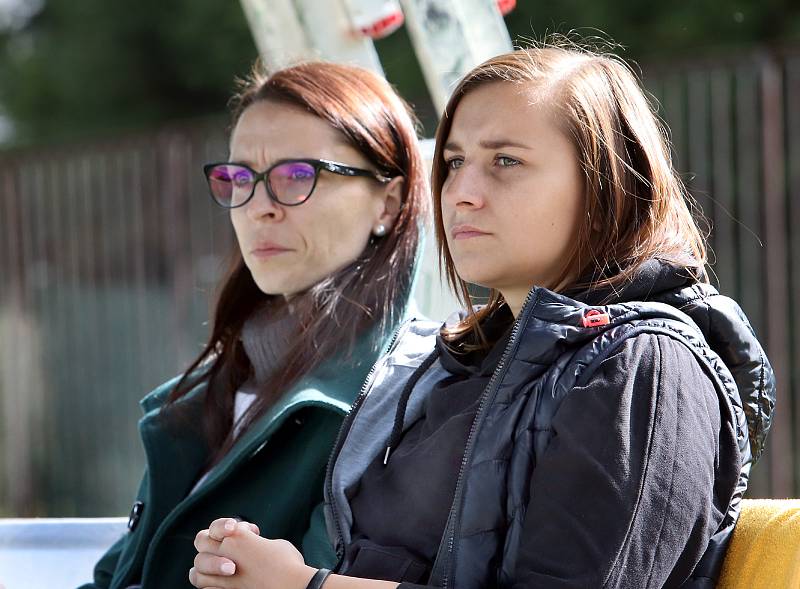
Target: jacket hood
(723, 325)
(652, 279)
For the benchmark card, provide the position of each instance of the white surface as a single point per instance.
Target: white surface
(431, 295)
(286, 31)
(450, 37)
(54, 553)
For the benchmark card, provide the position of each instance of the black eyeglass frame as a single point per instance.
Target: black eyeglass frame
(318, 165)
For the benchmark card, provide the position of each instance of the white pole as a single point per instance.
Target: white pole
(279, 36)
(286, 31)
(452, 36)
(334, 35)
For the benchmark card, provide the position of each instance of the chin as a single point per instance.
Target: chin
(269, 289)
(478, 278)
(284, 288)
(268, 285)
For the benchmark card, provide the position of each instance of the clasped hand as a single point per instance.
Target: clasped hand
(232, 555)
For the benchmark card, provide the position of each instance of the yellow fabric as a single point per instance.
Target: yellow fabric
(765, 549)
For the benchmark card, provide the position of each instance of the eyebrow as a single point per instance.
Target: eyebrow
(489, 144)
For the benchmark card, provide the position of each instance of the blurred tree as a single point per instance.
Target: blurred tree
(657, 30)
(81, 67)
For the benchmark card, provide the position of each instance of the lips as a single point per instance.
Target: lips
(267, 249)
(459, 232)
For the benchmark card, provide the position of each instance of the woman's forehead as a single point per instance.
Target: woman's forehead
(269, 131)
(502, 113)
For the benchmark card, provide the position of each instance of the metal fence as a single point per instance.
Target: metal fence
(735, 126)
(110, 253)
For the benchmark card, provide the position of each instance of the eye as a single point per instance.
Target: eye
(301, 174)
(454, 163)
(242, 178)
(506, 162)
(293, 172)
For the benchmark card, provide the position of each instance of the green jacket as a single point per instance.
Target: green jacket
(273, 477)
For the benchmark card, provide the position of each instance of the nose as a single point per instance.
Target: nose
(261, 207)
(464, 188)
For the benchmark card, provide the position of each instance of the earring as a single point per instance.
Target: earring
(379, 231)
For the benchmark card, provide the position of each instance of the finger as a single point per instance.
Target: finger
(222, 528)
(211, 564)
(247, 528)
(251, 527)
(202, 581)
(204, 543)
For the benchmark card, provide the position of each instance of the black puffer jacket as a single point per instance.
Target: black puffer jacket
(556, 346)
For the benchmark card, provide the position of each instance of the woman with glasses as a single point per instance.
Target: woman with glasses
(594, 424)
(326, 193)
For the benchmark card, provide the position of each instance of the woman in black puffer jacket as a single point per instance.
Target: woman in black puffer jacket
(594, 424)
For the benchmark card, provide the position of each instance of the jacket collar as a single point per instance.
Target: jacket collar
(550, 323)
(178, 452)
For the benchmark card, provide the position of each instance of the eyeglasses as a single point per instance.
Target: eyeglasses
(288, 182)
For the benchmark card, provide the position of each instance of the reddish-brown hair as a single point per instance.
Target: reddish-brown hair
(636, 207)
(361, 300)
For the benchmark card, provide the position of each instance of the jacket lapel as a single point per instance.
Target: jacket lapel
(176, 453)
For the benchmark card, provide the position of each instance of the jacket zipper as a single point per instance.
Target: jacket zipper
(346, 424)
(453, 516)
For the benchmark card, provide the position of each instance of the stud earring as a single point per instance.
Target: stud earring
(379, 231)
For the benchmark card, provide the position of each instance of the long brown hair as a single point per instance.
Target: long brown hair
(361, 300)
(636, 207)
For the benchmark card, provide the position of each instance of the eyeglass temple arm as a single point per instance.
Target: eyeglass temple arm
(351, 171)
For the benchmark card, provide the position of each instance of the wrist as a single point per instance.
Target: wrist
(304, 576)
(318, 579)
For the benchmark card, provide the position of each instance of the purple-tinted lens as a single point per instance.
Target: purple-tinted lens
(230, 184)
(292, 182)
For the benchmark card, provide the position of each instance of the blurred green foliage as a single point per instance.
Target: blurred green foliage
(83, 67)
(89, 65)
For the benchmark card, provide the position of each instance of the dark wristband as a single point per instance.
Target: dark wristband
(319, 578)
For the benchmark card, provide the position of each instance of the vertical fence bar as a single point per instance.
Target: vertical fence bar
(792, 114)
(127, 187)
(92, 285)
(50, 228)
(193, 244)
(19, 488)
(722, 183)
(137, 198)
(750, 227)
(35, 386)
(776, 265)
(124, 315)
(75, 306)
(175, 212)
(7, 262)
(674, 101)
(698, 142)
(152, 259)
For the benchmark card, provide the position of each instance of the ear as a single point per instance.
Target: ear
(392, 202)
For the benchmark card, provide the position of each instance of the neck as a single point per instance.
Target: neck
(515, 298)
(267, 336)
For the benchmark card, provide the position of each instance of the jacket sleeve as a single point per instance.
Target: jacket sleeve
(637, 476)
(317, 549)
